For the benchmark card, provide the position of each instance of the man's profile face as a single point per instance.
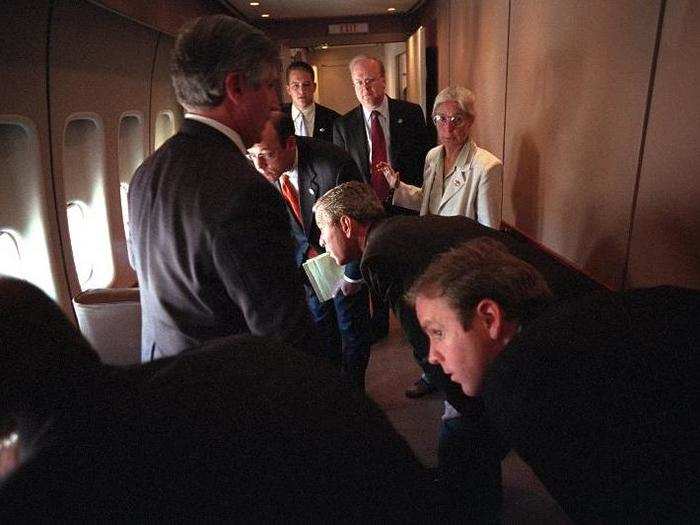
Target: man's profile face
(270, 157)
(301, 88)
(334, 239)
(463, 354)
(369, 83)
(255, 104)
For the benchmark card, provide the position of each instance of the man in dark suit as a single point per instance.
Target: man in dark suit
(244, 427)
(598, 395)
(310, 119)
(303, 169)
(209, 237)
(382, 129)
(394, 252)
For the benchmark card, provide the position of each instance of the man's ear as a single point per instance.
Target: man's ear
(233, 84)
(489, 313)
(347, 225)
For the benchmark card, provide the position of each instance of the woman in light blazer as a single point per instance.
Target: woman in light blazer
(460, 178)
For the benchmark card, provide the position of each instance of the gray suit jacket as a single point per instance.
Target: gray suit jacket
(211, 245)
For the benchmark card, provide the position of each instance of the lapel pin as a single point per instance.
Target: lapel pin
(311, 191)
(321, 130)
(457, 182)
(400, 121)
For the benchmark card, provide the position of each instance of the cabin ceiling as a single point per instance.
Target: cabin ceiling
(307, 9)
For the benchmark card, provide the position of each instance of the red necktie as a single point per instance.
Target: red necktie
(379, 183)
(292, 198)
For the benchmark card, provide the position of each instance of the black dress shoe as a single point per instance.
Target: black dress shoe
(419, 389)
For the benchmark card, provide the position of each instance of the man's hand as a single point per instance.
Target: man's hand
(348, 288)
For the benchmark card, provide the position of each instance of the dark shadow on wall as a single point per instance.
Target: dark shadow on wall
(604, 258)
(526, 189)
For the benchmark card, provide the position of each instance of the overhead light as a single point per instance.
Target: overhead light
(265, 15)
(254, 3)
(391, 9)
(324, 46)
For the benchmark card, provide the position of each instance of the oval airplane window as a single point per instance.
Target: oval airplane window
(80, 241)
(165, 128)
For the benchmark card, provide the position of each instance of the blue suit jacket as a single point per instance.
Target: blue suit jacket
(322, 167)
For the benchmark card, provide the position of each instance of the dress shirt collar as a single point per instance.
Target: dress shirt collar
(293, 173)
(383, 110)
(307, 111)
(230, 133)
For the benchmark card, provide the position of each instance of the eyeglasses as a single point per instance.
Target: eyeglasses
(262, 155)
(367, 82)
(455, 120)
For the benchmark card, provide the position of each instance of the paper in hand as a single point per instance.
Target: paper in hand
(324, 273)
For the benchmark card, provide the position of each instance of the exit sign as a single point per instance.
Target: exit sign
(345, 29)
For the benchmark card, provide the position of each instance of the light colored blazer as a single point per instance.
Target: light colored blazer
(474, 190)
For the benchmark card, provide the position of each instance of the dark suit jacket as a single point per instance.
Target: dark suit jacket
(322, 167)
(242, 427)
(410, 140)
(245, 427)
(400, 248)
(323, 121)
(210, 243)
(599, 396)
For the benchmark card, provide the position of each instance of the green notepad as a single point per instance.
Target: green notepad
(324, 274)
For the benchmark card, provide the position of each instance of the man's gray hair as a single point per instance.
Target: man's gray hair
(359, 58)
(210, 47)
(354, 199)
(463, 96)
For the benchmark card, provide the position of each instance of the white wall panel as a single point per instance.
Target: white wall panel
(578, 76)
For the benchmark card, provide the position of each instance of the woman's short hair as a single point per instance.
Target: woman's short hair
(463, 96)
(482, 269)
(209, 48)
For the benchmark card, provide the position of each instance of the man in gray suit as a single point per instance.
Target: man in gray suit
(210, 239)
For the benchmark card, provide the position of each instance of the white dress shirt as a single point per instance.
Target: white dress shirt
(309, 114)
(230, 133)
(383, 110)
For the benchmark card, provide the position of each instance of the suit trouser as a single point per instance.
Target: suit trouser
(344, 326)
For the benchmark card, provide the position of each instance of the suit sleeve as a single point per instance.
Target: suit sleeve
(263, 279)
(338, 137)
(408, 196)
